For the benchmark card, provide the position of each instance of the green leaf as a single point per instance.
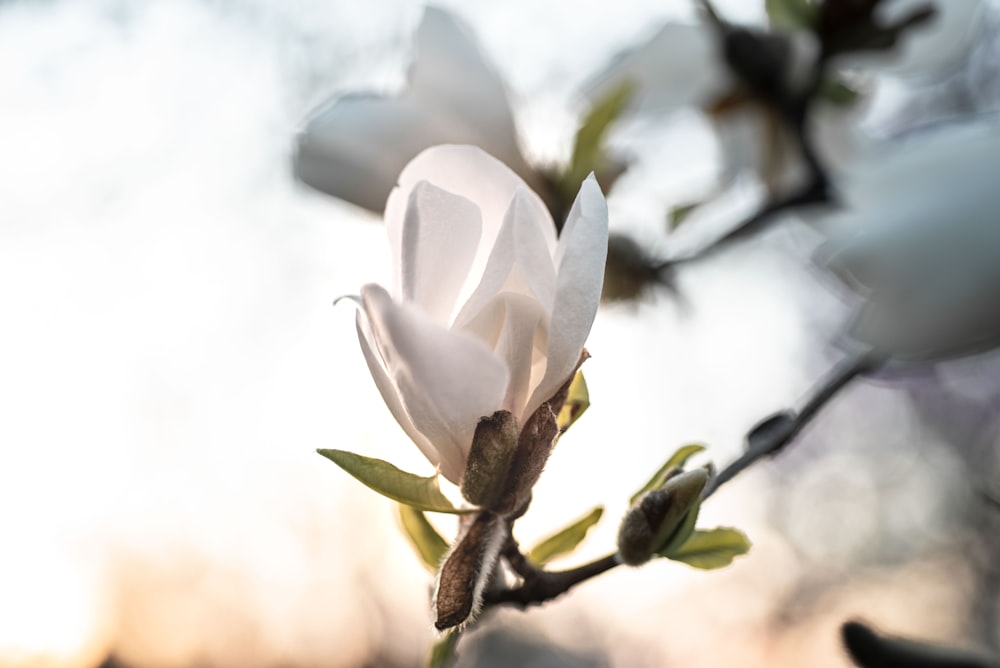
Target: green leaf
(676, 460)
(389, 481)
(791, 14)
(588, 149)
(426, 541)
(577, 402)
(679, 214)
(838, 93)
(442, 652)
(708, 550)
(565, 541)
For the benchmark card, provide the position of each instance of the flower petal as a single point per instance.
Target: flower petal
(678, 67)
(388, 390)
(440, 236)
(354, 148)
(520, 261)
(446, 380)
(472, 173)
(580, 257)
(510, 323)
(452, 76)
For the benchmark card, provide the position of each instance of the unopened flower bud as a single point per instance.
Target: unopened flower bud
(486, 469)
(656, 516)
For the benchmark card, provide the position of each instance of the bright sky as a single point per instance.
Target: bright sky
(170, 359)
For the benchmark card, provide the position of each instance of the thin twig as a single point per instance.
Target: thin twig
(816, 192)
(770, 436)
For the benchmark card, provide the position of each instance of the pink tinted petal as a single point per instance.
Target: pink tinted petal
(509, 323)
(388, 389)
(583, 248)
(474, 174)
(520, 261)
(439, 241)
(446, 380)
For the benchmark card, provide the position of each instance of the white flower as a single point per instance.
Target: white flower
(924, 246)
(356, 146)
(682, 67)
(488, 310)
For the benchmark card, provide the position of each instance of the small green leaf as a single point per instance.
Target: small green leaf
(588, 149)
(565, 541)
(426, 541)
(442, 652)
(577, 402)
(676, 460)
(679, 214)
(708, 550)
(791, 14)
(389, 481)
(838, 93)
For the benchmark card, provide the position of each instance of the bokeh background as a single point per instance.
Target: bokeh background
(170, 360)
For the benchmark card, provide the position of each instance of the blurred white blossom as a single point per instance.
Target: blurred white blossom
(488, 310)
(923, 243)
(356, 146)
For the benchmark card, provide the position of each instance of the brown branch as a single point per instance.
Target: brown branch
(540, 586)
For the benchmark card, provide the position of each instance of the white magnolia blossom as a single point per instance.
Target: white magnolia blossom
(356, 145)
(488, 310)
(681, 66)
(923, 243)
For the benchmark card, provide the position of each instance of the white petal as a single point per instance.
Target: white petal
(520, 261)
(933, 49)
(925, 246)
(355, 148)
(583, 249)
(512, 324)
(388, 389)
(678, 67)
(446, 380)
(474, 174)
(439, 240)
(451, 75)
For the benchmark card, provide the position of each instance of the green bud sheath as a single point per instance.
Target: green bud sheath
(489, 460)
(654, 519)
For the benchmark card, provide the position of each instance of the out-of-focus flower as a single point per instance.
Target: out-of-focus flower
(356, 146)
(683, 66)
(924, 246)
(488, 310)
(935, 49)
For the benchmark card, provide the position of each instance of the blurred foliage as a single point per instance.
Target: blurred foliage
(791, 14)
(565, 540)
(589, 149)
